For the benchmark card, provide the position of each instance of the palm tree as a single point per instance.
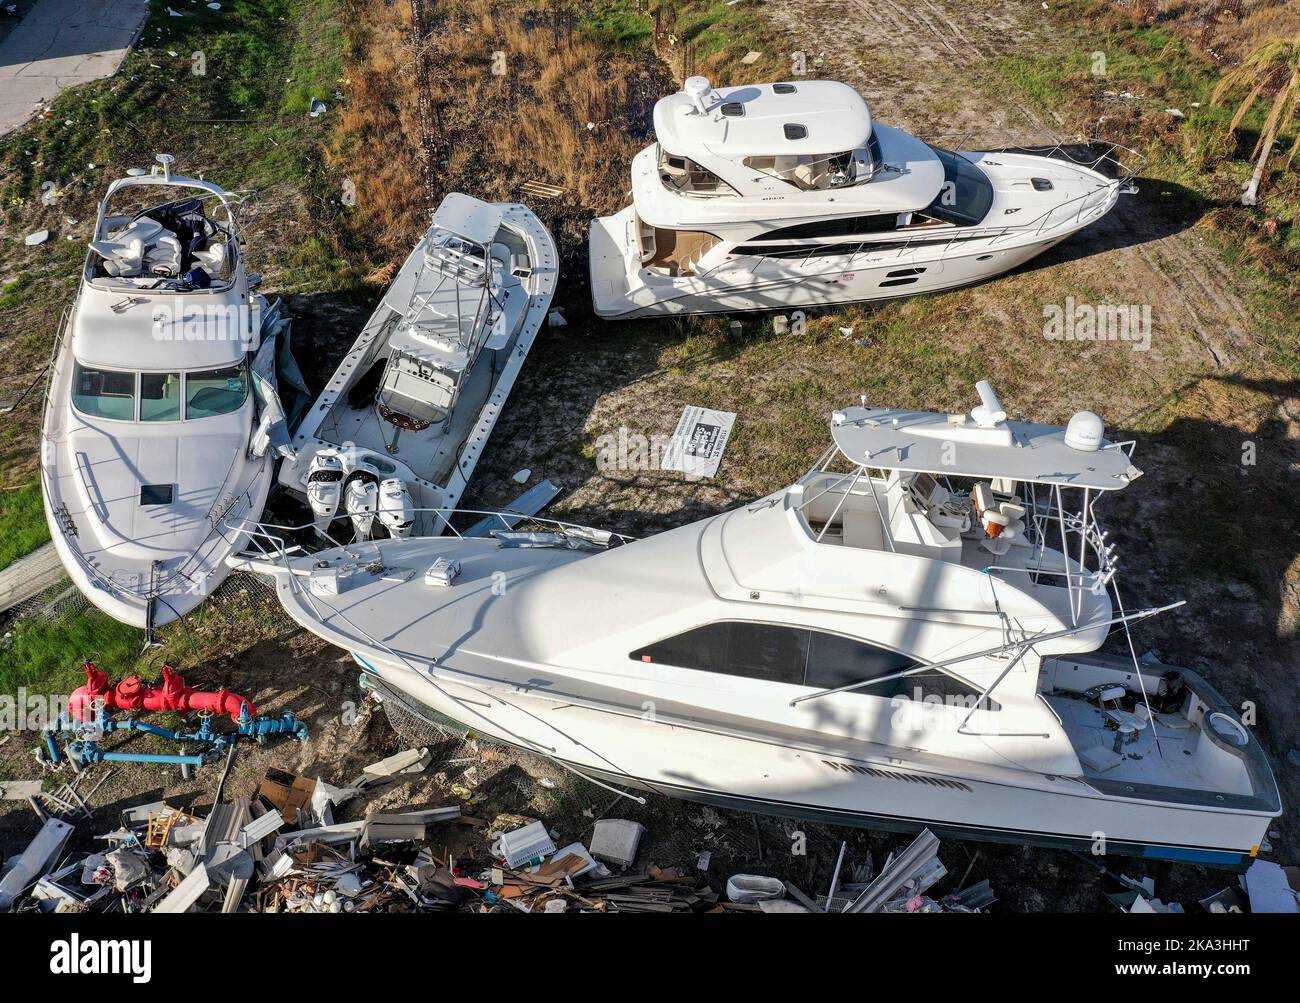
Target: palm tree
(1273, 64)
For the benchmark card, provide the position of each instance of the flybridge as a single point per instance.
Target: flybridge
(815, 117)
(985, 444)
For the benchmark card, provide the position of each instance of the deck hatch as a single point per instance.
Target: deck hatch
(156, 494)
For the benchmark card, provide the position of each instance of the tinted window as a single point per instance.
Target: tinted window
(160, 396)
(753, 650)
(215, 391)
(844, 227)
(104, 393)
(838, 661)
(800, 656)
(966, 195)
(936, 683)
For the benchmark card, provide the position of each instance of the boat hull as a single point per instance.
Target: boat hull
(856, 786)
(748, 283)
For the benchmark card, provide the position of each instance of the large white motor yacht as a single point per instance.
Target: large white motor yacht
(149, 442)
(786, 195)
(401, 424)
(908, 636)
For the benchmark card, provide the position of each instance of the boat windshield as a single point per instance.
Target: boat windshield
(816, 173)
(966, 195)
(156, 397)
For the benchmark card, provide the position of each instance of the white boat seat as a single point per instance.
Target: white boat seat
(1127, 719)
(1100, 757)
(143, 248)
(411, 390)
(862, 529)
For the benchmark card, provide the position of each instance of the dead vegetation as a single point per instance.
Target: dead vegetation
(480, 97)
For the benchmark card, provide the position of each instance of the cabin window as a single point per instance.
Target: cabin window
(104, 393)
(215, 391)
(800, 656)
(834, 660)
(160, 396)
(809, 172)
(753, 650)
(966, 195)
(686, 177)
(845, 226)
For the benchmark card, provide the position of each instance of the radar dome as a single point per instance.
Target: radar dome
(1084, 432)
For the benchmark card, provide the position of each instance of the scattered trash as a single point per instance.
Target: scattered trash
(699, 441)
(1175, 112)
(521, 476)
(780, 324)
(751, 57)
(318, 108)
(1271, 887)
(36, 861)
(754, 888)
(39, 237)
(539, 189)
(616, 840)
(527, 844)
(556, 319)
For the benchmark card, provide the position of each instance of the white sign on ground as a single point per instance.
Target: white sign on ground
(696, 447)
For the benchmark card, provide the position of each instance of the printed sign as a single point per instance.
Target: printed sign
(696, 447)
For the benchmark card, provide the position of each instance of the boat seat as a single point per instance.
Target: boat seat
(1100, 757)
(1127, 719)
(862, 529)
(145, 248)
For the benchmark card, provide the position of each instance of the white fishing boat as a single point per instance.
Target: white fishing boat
(402, 422)
(788, 195)
(908, 636)
(150, 441)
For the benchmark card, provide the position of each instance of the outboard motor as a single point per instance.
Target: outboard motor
(324, 487)
(396, 508)
(362, 501)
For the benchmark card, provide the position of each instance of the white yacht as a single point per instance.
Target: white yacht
(786, 195)
(150, 439)
(908, 636)
(400, 425)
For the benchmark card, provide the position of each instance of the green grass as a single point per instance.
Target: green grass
(610, 24)
(22, 523)
(15, 293)
(45, 655)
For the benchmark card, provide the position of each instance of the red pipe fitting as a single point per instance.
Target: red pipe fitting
(133, 693)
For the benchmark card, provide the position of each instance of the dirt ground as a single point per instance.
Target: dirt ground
(1203, 390)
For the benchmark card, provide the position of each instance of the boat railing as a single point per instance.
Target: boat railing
(1073, 211)
(272, 540)
(1120, 163)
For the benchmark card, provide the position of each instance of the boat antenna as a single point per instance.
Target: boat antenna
(166, 159)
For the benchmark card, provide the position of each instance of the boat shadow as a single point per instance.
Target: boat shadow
(1158, 210)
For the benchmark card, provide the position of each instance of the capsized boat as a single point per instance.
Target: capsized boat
(907, 636)
(785, 195)
(400, 426)
(155, 440)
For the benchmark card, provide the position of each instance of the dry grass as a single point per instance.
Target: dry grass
(508, 97)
